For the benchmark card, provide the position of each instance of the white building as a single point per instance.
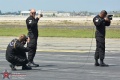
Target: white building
(25, 13)
(63, 15)
(47, 13)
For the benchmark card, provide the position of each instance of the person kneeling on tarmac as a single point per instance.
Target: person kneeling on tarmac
(16, 53)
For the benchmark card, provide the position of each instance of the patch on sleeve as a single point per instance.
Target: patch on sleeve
(11, 43)
(30, 21)
(96, 20)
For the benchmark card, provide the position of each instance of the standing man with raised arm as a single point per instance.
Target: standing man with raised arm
(101, 21)
(32, 26)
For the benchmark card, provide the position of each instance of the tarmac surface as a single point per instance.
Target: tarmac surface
(66, 59)
(66, 66)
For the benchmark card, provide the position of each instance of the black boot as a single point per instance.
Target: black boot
(25, 67)
(96, 62)
(12, 67)
(32, 64)
(102, 64)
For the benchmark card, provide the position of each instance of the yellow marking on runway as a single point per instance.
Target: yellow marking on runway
(64, 51)
(82, 51)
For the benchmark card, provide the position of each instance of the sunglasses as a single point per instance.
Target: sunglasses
(33, 12)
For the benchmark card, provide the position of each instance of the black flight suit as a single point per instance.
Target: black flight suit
(16, 53)
(100, 24)
(33, 35)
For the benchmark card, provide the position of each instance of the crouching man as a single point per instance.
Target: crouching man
(16, 53)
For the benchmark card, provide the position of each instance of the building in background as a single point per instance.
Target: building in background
(47, 13)
(25, 13)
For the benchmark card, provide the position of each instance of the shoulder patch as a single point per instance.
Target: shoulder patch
(30, 21)
(11, 43)
(96, 20)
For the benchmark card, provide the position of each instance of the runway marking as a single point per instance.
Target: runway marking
(63, 62)
(76, 51)
(83, 51)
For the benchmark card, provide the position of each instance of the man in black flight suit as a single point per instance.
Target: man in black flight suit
(32, 27)
(100, 21)
(16, 53)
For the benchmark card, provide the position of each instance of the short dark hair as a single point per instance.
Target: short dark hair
(103, 12)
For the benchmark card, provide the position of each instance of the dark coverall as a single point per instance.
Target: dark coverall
(33, 35)
(16, 53)
(100, 24)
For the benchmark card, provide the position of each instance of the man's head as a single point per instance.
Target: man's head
(103, 14)
(23, 39)
(33, 12)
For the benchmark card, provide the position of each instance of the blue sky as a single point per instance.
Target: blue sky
(60, 5)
